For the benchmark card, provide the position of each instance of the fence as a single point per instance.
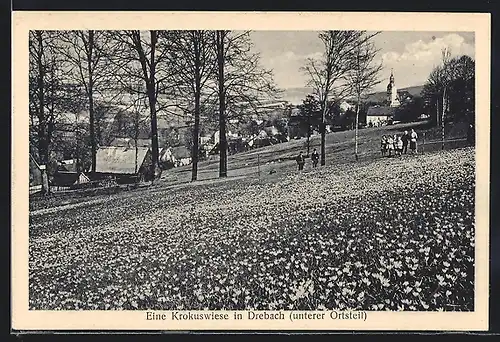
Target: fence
(105, 183)
(34, 189)
(434, 145)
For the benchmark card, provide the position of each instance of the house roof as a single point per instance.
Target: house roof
(271, 130)
(380, 111)
(181, 152)
(35, 172)
(175, 153)
(64, 178)
(115, 159)
(129, 142)
(67, 165)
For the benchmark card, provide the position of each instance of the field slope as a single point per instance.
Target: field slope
(382, 234)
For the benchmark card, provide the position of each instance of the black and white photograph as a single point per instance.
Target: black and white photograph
(252, 170)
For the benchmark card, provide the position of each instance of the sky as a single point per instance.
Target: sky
(412, 55)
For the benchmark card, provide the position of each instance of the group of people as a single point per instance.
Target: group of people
(398, 144)
(389, 145)
(301, 159)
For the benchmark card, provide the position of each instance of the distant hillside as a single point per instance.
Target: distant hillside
(296, 95)
(382, 95)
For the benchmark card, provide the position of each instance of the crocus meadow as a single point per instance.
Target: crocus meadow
(389, 234)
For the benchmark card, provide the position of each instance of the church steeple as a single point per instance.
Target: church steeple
(391, 83)
(392, 93)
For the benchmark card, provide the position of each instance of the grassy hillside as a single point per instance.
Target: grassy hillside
(339, 150)
(382, 234)
(275, 162)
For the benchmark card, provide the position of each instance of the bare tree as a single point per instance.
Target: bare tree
(133, 130)
(241, 83)
(458, 74)
(309, 109)
(45, 82)
(144, 58)
(86, 54)
(327, 74)
(446, 80)
(195, 61)
(432, 88)
(219, 48)
(363, 76)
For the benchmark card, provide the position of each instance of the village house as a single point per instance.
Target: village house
(383, 114)
(124, 164)
(35, 172)
(129, 142)
(68, 176)
(392, 93)
(377, 116)
(175, 156)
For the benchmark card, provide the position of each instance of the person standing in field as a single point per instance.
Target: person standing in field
(315, 158)
(399, 145)
(413, 141)
(383, 145)
(301, 160)
(390, 145)
(405, 139)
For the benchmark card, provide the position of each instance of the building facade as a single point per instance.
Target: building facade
(392, 92)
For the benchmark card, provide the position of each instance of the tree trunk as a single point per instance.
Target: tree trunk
(154, 136)
(136, 137)
(136, 131)
(195, 151)
(91, 101)
(356, 133)
(308, 133)
(222, 106)
(136, 154)
(323, 135)
(43, 144)
(45, 179)
(77, 147)
(442, 118)
(437, 111)
(152, 106)
(51, 111)
(197, 96)
(93, 142)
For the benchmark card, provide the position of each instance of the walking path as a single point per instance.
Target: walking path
(125, 194)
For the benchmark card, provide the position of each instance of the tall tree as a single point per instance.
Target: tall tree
(86, 54)
(431, 91)
(144, 57)
(309, 110)
(135, 126)
(241, 83)
(327, 74)
(462, 88)
(219, 48)
(45, 84)
(446, 79)
(363, 76)
(195, 61)
(449, 90)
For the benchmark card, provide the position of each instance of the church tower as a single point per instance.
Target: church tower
(392, 92)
